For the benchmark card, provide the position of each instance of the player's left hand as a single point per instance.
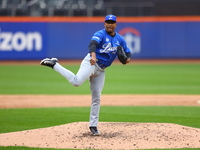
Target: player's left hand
(128, 60)
(122, 55)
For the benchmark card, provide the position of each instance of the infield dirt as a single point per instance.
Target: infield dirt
(114, 135)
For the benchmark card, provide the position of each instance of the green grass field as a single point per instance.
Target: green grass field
(129, 79)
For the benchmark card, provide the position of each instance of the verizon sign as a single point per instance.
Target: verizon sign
(20, 41)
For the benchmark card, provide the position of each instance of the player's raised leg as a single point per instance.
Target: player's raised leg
(85, 70)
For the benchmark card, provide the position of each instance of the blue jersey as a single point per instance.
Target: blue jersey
(106, 50)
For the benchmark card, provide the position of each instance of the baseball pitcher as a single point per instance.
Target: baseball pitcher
(104, 46)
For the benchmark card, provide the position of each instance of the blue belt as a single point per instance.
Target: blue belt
(102, 66)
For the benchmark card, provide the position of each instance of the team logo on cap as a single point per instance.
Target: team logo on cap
(110, 17)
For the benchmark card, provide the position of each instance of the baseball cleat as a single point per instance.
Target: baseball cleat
(94, 131)
(49, 62)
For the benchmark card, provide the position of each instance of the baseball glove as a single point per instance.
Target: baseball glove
(121, 55)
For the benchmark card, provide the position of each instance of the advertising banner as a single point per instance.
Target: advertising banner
(23, 41)
(69, 39)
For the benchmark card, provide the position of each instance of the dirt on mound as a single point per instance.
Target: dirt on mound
(113, 136)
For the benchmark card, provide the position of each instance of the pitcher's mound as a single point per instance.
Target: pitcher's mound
(113, 136)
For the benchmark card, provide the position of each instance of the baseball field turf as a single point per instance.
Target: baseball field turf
(129, 79)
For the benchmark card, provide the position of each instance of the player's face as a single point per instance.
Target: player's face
(110, 26)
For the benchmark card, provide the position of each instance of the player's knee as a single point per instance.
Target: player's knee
(76, 85)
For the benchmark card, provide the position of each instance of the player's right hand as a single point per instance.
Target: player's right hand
(93, 59)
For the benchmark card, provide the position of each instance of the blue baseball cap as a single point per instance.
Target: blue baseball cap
(111, 17)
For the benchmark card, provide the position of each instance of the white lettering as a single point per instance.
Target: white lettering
(108, 48)
(20, 41)
(34, 37)
(5, 43)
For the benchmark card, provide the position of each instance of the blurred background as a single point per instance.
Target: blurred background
(153, 29)
(99, 7)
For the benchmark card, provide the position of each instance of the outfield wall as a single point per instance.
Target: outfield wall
(31, 38)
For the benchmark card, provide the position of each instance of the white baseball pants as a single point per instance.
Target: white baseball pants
(96, 77)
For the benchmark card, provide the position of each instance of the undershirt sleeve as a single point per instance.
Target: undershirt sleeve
(93, 46)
